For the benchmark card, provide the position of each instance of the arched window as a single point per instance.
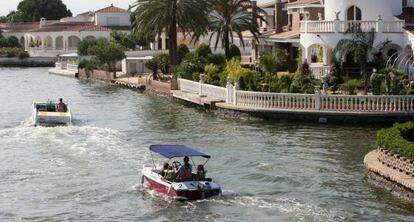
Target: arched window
(354, 14)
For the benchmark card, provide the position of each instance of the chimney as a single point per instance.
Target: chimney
(278, 21)
(42, 22)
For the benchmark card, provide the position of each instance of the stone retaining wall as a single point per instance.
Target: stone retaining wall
(97, 74)
(394, 188)
(383, 170)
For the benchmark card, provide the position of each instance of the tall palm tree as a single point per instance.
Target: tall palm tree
(155, 16)
(360, 45)
(231, 17)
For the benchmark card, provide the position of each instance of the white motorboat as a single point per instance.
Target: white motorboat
(46, 114)
(192, 188)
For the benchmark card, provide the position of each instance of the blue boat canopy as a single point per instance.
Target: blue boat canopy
(172, 151)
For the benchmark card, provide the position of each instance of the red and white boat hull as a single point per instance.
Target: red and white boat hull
(188, 190)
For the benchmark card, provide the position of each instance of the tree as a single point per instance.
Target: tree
(271, 63)
(107, 54)
(155, 16)
(34, 10)
(359, 45)
(130, 41)
(2, 19)
(234, 16)
(86, 44)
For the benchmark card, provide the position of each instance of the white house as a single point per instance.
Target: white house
(51, 38)
(342, 17)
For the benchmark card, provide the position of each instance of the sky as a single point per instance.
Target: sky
(76, 6)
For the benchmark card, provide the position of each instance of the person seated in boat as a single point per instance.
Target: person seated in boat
(169, 174)
(201, 173)
(164, 168)
(186, 170)
(61, 107)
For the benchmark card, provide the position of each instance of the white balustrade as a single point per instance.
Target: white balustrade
(355, 26)
(352, 26)
(403, 103)
(275, 100)
(393, 27)
(320, 26)
(339, 103)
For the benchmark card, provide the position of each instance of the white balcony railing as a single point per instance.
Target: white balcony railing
(352, 26)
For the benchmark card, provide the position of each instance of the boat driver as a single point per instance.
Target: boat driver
(61, 107)
(186, 170)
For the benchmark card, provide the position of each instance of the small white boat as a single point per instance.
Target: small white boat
(45, 114)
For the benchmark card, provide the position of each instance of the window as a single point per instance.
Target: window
(113, 21)
(354, 14)
(405, 3)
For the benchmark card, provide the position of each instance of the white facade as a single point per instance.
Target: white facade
(51, 38)
(343, 17)
(112, 19)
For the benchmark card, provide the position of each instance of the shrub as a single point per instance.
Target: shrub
(23, 54)
(249, 80)
(291, 66)
(11, 42)
(190, 64)
(153, 66)
(182, 51)
(203, 50)
(234, 52)
(398, 139)
(376, 80)
(233, 69)
(13, 52)
(212, 74)
(351, 86)
(163, 61)
(334, 82)
(217, 59)
(285, 83)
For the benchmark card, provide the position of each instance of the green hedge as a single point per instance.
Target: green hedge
(398, 139)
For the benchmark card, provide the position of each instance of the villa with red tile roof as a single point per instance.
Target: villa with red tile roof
(51, 38)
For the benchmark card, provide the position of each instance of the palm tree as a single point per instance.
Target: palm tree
(271, 63)
(231, 17)
(360, 45)
(155, 16)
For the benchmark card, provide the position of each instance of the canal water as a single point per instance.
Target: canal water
(269, 171)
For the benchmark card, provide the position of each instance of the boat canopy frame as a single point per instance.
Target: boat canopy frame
(174, 151)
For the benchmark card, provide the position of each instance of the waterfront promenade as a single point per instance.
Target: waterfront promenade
(315, 107)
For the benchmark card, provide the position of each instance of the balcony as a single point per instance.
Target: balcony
(337, 26)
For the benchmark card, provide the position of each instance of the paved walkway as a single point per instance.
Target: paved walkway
(62, 72)
(195, 98)
(373, 164)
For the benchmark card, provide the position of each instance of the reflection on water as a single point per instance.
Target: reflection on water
(91, 171)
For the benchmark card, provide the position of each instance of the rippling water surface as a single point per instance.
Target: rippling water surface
(91, 171)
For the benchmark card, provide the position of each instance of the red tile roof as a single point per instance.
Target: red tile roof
(57, 26)
(112, 9)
